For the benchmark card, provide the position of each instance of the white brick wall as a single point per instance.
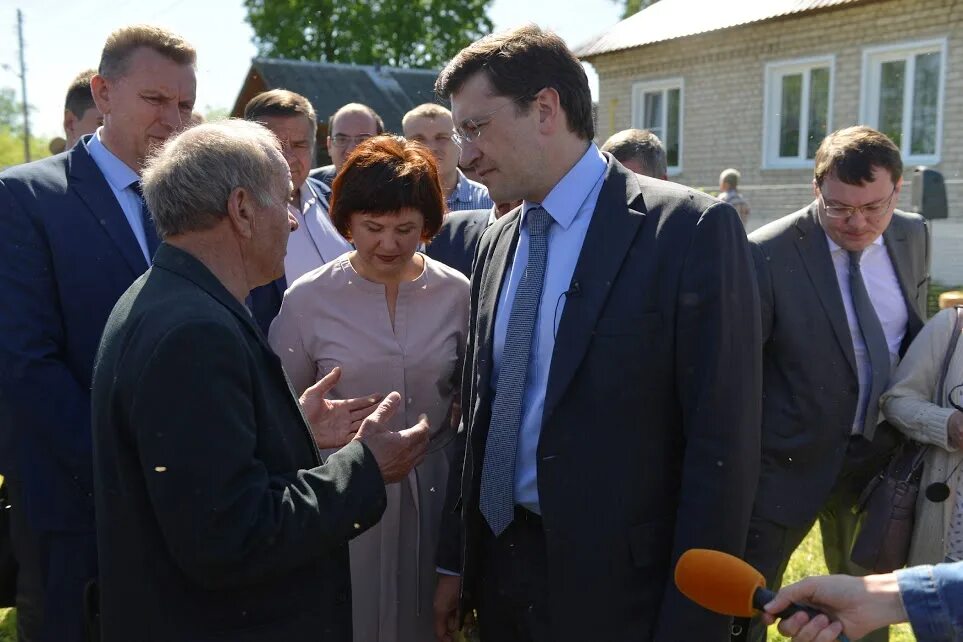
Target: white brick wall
(724, 84)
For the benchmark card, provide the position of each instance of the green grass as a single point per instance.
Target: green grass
(808, 560)
(8, 625)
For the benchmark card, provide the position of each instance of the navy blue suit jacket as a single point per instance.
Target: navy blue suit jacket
(67, 253)
(457, 240)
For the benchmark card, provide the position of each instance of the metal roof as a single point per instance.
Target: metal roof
(670, 19)
(390, 91)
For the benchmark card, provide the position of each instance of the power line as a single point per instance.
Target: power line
(23, 86)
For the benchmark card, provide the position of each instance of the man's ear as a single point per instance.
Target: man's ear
(100, 90)
(241, 212)
(70, 121)
(549, 106)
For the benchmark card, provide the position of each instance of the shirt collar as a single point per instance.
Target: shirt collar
(834, 247)
(117, 173)
(462, 191)
(570, 193)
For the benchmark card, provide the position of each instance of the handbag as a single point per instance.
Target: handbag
(888, 503)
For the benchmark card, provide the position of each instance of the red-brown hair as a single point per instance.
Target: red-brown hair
(384, 175)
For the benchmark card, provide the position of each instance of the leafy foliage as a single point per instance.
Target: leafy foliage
(632, 7)
(419, 33)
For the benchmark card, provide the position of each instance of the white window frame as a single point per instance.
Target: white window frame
(869, 91)
(638, 104)
(772, 105)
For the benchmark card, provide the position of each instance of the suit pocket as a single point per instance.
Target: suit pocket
(638, 325)
(651, 543)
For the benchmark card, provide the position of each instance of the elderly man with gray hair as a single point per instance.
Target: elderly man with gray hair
(640, 151)
(216, 517)
(728, 184)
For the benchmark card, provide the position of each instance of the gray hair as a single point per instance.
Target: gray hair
(641, 145)
(730, 177)
(188, 181)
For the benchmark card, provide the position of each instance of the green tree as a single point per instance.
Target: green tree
(11, 132)
(632, 7)
(397, 33)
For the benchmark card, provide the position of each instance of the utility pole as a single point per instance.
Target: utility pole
(23, 91)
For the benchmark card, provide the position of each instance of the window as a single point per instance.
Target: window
(657, 106)
(798, 103)
(903, 96)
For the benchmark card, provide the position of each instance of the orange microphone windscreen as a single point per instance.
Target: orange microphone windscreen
(718, 581)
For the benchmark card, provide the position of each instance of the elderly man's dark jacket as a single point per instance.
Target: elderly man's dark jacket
(215, 517)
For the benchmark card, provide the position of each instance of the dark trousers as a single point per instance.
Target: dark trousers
(770, 545)
(54, 570)
(513, 605)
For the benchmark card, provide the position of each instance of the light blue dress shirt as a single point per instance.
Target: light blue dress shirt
(570, 204)
(119, 176)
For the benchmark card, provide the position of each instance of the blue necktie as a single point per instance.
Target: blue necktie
(150, 232)
(876, 345)
(497, 502)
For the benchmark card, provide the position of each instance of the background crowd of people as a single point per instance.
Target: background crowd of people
(480, 367)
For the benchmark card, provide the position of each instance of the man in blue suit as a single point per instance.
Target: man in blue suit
(74, 235)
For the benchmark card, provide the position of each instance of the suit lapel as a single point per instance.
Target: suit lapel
(92, 188)
(814, 251)
(488, 294)
(611, 233)
(894, 238)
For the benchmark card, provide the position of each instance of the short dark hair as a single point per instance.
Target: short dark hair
(79, 97)
(124, 42)
(521, 62)
(641, 145)
(379, 123)
(384, 175)
(280, 102)
(851, 154)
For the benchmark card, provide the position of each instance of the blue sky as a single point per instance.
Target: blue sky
(63, 38)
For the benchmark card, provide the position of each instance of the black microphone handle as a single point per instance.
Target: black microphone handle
(764, 596)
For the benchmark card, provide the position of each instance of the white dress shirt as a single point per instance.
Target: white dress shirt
(882, 285)
(316, 241)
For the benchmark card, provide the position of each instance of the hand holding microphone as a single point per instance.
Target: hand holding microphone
(726, 584)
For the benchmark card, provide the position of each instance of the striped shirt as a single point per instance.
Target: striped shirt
(468, 195)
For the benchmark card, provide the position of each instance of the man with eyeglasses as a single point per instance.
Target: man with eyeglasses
(610, 397)
(843, 286)
(347, 128)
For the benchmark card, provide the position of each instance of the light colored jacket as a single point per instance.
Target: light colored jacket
(909, 406)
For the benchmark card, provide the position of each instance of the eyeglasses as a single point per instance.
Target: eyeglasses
(871, 211)
(470, 131)
(342, 140)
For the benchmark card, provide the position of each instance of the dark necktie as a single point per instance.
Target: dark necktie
(875, 340)
(497, 501)
(150, 232)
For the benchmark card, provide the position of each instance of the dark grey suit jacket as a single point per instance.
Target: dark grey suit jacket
(650, 435)
(215, 517)
(457, 240)
(810, 387)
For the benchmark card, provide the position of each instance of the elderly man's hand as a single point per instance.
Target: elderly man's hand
(334, 422)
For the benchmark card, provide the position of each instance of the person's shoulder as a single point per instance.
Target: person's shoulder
(38, 177)
(329, 276)
(909, 220)
(782, 229)
(466, 217)
(319, 185)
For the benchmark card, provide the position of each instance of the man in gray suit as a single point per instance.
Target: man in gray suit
(842, 285)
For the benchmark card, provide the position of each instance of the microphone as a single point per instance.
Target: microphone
(575, 289)
(725, 584)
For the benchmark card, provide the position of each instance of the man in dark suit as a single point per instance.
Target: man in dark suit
(611, 389)
(73, 236)
(843, 286)
(216, 519)
(316, 241)
(456, 241)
